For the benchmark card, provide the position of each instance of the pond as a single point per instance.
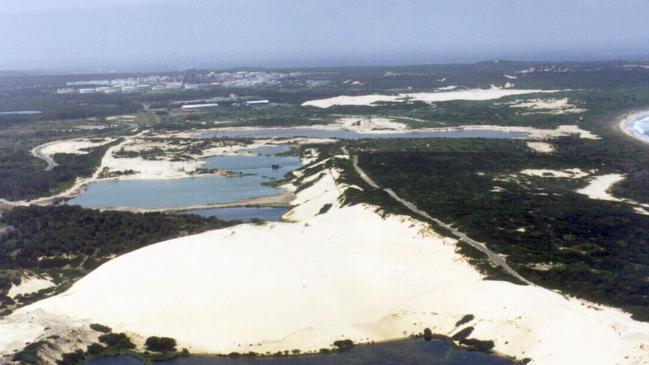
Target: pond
(199, 190)
(245, 214)
(405, 352)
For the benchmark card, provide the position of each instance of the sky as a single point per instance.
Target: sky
(147, 35)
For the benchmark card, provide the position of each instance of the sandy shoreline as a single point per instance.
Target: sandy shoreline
(279, 200)
(151, 170)
(627, 121)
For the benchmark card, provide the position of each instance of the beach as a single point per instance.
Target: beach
(628, 124)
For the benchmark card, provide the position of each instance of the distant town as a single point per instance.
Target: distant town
(187, 80)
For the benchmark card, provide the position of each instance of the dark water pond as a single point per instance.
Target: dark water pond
(406, 352)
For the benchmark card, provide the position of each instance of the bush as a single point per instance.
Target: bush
(478, 344)
(72, 358)
(343, 345)
(463, 334)
(428, 334)
(95, 349)
(117, 341)
(160, 344)
(466, 319)
(100, 328)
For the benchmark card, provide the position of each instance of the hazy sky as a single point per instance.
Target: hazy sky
(174, 34)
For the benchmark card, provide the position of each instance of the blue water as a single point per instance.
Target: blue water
(344, 134)
(199, 190)
(245, 214)
(172, 193)
(641, 125)
(407, 352)
(260, 165)
(270, 150)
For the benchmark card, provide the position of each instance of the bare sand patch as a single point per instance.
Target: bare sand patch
(427, 97)
(598, 188)
(547, 106)
(574, 173)
(542, 147)
(30, 284)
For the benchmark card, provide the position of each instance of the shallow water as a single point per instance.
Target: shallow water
(345, 134)
(406, 352)
(641, 126)
(199, 190)
(172, 193)
(245, 214)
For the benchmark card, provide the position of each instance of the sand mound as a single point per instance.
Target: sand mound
(349, 273)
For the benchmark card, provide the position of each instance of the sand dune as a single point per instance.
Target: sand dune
(348, 273)
(427, 97)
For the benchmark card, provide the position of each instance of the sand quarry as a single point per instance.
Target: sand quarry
(305, 284)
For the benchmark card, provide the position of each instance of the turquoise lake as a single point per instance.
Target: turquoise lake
(173, 193)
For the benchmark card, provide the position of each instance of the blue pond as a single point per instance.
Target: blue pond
(198, 190)
(406, 352)
(245, 214)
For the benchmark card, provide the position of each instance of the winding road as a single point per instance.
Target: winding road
(482, 247)
(38, 153)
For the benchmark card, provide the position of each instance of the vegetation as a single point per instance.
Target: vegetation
(117, 341)
(68, 241)
(100, 328)
(550, 234)
(22, 177)
(43, 236)
(160, 344)
(343, 345)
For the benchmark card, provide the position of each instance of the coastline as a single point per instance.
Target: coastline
(627, 121)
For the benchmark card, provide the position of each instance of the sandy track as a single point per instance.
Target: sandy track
(38, 153)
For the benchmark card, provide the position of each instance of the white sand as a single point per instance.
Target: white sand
(598, 188)
(566, 130)
(542, 147)
(574, 173)
(72, 146)
(304, 285)
(430, 97)
(366, 124)
(30, 285)
(547, 106)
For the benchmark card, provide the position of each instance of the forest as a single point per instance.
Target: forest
(552, 235)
